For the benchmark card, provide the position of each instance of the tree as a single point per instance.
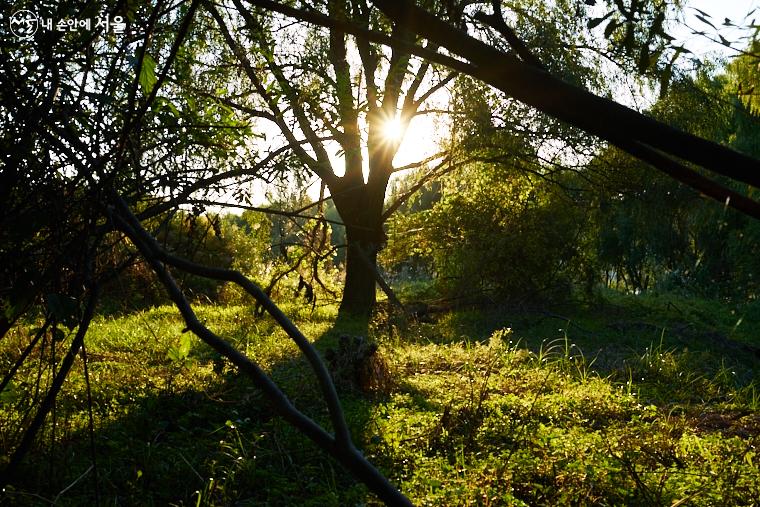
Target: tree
(103, 133)
(645, 138)
(323, 89)
(99, 138)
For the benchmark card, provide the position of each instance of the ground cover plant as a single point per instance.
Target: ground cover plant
(482, 410)
(569, 236)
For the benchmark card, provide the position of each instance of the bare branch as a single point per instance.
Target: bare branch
(368, 57)
(268, 211)
(348, 115)
(422, 162)
(340, 447)
(430, 91)
(131, 226)
(319, 167)
(47, 403)
(444, 167)
(326, 171)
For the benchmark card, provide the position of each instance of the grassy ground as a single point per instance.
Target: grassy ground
(629, 401)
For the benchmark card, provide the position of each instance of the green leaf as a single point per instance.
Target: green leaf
(185, 342)
(162, 103)
(147, 77)
(180, 354)
(9, 394)
(610, 28)
(131, 9)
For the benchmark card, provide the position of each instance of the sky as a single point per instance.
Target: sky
(420, 140)
(718, 11)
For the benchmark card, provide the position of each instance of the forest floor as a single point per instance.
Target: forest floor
(628, 401)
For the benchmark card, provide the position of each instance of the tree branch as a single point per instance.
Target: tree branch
(440, 170)
(340, 447)
(496, 21)
(268, 211)
(318, 166)
(620, 125)
(326, 171)
(422, 162)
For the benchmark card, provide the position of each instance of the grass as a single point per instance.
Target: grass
(630, 401)
(510, 427)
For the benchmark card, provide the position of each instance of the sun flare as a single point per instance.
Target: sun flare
(392, 130)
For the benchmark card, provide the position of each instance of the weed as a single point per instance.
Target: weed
(484, 410)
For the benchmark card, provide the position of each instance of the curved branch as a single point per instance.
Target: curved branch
(597, 115)
(268, 211)
(341, 447)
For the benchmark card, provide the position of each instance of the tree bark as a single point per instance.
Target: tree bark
(360, 206)
(359, 289)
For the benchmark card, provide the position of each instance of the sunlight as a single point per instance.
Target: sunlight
(393, 130)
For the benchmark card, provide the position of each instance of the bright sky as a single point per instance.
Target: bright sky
(419, 141)
(736, 11)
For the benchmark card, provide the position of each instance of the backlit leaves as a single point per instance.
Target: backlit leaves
(147, 78)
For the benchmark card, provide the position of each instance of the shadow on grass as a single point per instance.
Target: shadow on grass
(221, 445)
(612, 331)
(216, 445)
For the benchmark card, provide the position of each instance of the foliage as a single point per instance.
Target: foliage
(637, 32)
(83, 116)
(654, 233)
(510, 417)
(250, 238)
(746, 76)
(494, 231)
(203, 238)
(497, 224)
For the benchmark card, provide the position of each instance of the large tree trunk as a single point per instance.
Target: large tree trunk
(359, 290)
(361, 209)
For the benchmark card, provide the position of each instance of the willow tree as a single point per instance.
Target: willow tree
(342, 104)
(318, 73)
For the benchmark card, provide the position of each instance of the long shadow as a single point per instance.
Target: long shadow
(219, 445)
(605, 332)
